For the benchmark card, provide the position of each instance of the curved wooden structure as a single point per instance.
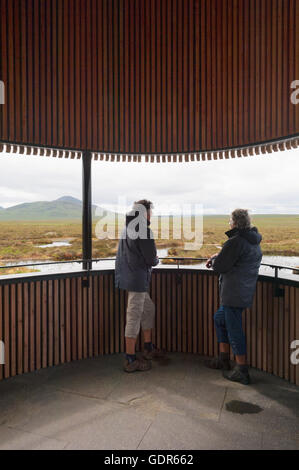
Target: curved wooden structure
(51, 319)
(172, 80)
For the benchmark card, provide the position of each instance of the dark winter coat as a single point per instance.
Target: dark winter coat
(238, 265)
(135, 258)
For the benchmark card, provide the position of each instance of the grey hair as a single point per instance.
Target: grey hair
(241, 218)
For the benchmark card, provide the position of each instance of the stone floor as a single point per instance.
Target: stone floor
(179, 404)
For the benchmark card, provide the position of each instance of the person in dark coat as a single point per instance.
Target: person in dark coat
(238, 265)
(135, 258)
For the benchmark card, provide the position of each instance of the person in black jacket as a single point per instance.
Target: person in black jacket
(135, 258)
(238, 265)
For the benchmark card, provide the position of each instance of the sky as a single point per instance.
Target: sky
(264, 184)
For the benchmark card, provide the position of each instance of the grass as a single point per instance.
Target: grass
(19, 240)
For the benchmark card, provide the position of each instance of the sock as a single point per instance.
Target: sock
(224, 356)
(131, 357)
(148, 346)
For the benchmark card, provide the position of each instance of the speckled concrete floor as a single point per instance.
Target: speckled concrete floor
(178, 404)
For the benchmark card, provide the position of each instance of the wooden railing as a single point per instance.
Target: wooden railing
(47, 320)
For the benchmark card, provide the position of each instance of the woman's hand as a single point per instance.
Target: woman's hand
(209, 262)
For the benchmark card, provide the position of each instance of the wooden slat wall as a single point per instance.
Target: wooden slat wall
(148, 76)
(53, 321)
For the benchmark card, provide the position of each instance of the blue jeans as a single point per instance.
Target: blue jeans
(228, 324)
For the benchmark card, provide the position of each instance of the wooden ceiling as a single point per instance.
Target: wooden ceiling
(153, 80)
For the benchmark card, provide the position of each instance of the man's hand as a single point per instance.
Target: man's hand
(209, 262)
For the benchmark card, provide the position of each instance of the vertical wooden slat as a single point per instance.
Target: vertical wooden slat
(281, 336)
(111, 312)
(215, 308)
(122, 319)
(68, 319)
(62, 321)
(6, 331)
(56, 322)
(194, 314)
(117, 331)
(275, 334)
(265, 316)
(101, 314)
(210, 313)
(44, 316)
(80, 314)
(13, 327)
(32, 339)
(95, 326)
(168, 313)
(259, 325)
(286, 339)
(4, 70)
(179, 313)
(200, 330)
(164, 310)
(10, 67)
(174, 66)
(189, 306)
(158, 292)
(270, 343)
(254, 329)
(205, 316)
(26, 327)
(106, 315)
(229, 71)
(174, 310)
(20, 327)
(292, 337)
(121, 75)
(90, 52)
(85, 317)
(184, 313)
(74, 318)
(248, 335)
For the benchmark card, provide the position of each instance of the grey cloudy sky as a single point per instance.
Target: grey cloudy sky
(264, 184)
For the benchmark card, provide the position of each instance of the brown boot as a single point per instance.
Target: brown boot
(138, 365)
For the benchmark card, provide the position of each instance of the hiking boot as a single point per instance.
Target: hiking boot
(155, 353)
(138, 365)
(218, 363)
(238, 374)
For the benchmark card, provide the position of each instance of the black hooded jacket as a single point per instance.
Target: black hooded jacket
(238, 265)
(135, 256)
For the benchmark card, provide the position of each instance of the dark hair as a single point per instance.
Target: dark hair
(147, 204)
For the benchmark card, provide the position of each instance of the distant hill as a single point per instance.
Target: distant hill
(65, 207)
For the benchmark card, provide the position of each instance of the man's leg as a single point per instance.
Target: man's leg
(147, 324)
(233, 320)
(221, 362)
(236, 336)
(134, 313)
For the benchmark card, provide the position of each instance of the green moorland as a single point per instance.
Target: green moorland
(19, 239)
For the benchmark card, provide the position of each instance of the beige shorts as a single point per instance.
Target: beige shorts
(140, 311)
